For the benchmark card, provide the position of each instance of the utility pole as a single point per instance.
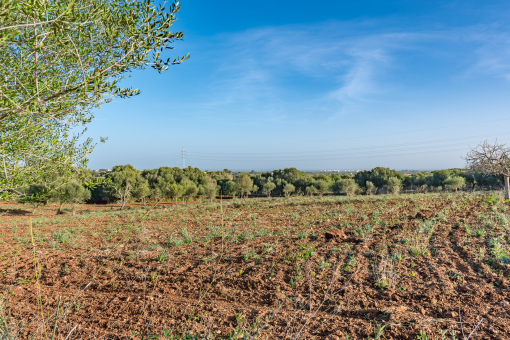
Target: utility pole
(183, 156)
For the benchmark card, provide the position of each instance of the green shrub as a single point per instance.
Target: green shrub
(349, 186)
(394, 185)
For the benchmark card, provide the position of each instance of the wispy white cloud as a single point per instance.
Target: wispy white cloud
(359, 78)
(340, 67)
(492, 51)
(306, 69)
(302, 85)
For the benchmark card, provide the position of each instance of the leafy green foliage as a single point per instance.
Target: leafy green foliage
(72, 193)
(455, 182)
(244, 184)
(311, 190)
(322, 186)
(123, 178)
(288, 189)
(60, 61)
(230, 188)
(378, 176)
(394, 184)
(210, 190)
(370, 187)
(125, 184)
(349, 186)
(268, 187)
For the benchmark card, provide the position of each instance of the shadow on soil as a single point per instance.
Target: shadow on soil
(14, 212)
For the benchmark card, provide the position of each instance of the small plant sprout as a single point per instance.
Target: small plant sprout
(422, 336)
(162, 256)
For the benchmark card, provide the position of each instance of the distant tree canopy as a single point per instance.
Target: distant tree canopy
(349, 186)
(244, 184)
(123, 180)
(288, 189)
(268, 187)
(378, 176)
(127, 184)
(394, 184)
(71, 193)
(455, 182)
(369, 187)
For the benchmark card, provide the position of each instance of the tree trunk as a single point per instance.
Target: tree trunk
(507, 180)
(123, 201)
(74, 209)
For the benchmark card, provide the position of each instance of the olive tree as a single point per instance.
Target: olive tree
(455, 182)
(175, 191)
(244, 184)
(268, 187)
(491, 159)
(71, 193)
(60, 61)
(288, 189)
(310, 190)
(394, 185)
(190, 189)
(322, 186)
(337, 186)
(36, 194)
(370, 187)
(141, 189)
(210, 189)
(230, 188)
(122, 181)
(349, 186)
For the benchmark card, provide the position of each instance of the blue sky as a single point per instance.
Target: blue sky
(318, 85)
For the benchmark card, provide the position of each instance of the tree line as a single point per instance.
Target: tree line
(378, 180)
(126, 184)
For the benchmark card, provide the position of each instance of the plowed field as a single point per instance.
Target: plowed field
(399, 267)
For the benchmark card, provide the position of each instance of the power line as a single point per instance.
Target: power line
(183, 156)
(341, 158)
(301, 141)
(350, 149)
(356, 151)
(352, 154)
(458, 144)
(285, 155)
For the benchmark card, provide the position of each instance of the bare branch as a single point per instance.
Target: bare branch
(490, 159)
